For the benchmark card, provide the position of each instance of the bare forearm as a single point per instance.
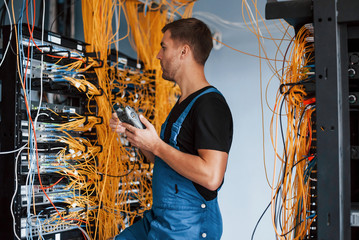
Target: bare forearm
(204, 171)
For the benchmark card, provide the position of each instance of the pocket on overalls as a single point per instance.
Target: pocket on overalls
(187, 221)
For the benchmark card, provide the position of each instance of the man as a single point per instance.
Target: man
(191, 154)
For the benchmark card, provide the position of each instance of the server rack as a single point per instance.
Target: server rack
(45, 64)
(336, 41)
(16, 131)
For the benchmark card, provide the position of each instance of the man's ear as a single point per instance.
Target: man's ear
(185, 50)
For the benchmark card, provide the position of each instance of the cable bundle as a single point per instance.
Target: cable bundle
(120, 166)
(293, 187)
(292, 215)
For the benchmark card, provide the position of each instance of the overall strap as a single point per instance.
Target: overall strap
(176, 127)
(164, 125)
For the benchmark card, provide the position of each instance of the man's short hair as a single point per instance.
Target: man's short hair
(193, 32)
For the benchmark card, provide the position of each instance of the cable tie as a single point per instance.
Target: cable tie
(101, 92)
(101, 120)
(101, 177)
(101, 148)
(86, 120)
(309, 101)
(101, 64)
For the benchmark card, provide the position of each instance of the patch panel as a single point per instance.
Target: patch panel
(42, 224)
(36, 189)
(55, 197)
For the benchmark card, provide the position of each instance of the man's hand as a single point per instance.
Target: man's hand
(119, 127)
(144, 139)
(116, 124)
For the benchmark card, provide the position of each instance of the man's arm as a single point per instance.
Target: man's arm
(207, 169)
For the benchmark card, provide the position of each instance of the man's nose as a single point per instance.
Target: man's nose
(159, 55)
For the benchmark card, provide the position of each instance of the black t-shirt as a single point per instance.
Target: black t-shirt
(208, 125)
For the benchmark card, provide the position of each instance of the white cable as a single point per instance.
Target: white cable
(254, 20)
(8, 44)
(33, 158)
(13, 151)
(39, 227)
(15, 192)
(84, 232)
(217, 20)
(213, 19)
(32, 170)
(42, 61)
(46, 150)
(117, 20)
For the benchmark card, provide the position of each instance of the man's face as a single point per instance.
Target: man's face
(169, 57)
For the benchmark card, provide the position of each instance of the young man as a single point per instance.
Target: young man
(191, 153)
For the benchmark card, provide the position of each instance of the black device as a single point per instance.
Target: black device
(129, 115)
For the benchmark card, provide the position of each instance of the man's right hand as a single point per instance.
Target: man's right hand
(116, 125)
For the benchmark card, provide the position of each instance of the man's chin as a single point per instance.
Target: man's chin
(167, 78)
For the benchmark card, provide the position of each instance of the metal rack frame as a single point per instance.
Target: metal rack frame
(335, 22)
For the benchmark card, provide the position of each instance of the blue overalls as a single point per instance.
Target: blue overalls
(178, 211)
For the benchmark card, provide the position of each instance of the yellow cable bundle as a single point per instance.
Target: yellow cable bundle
(97, 18)
(80, 124)
(146, 34)
(293, 180)
(116, 164)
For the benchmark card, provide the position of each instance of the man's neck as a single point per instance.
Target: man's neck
(191, 79)
(190, 86)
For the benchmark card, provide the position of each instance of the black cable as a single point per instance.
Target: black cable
(120, 176)
(266, 209)
(279, 218)
(284, 235)
(301, 118)
(300, 161)
(277, 208)
(285, 155)
(260, 218)
(262, 215)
